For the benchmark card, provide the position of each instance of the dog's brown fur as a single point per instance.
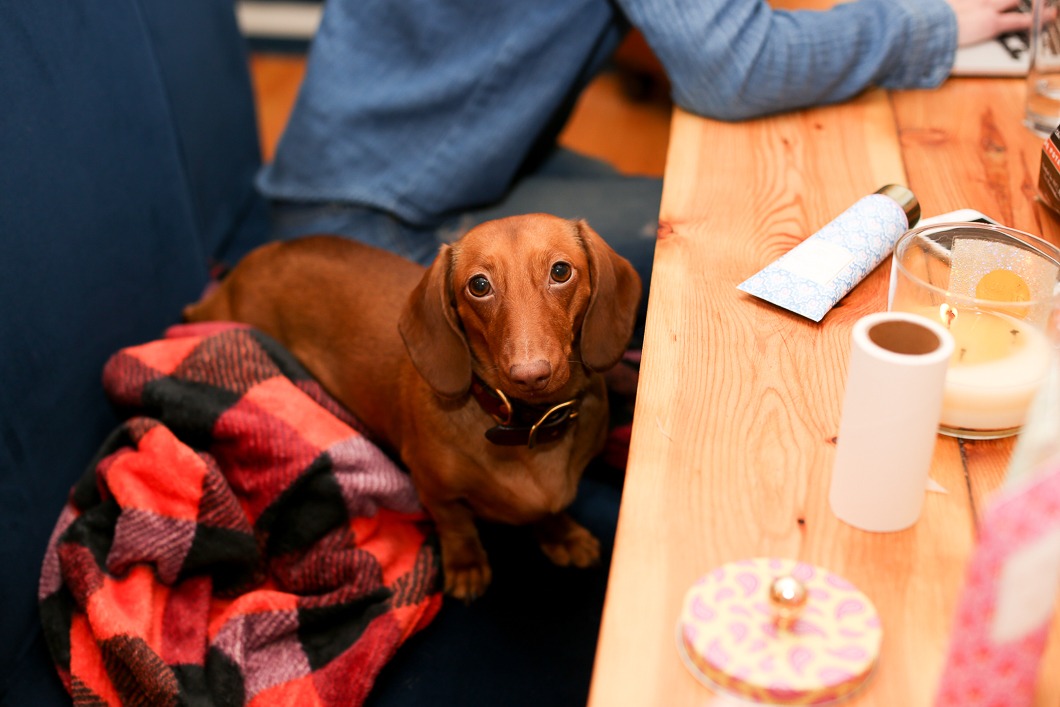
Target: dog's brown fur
(339, 307)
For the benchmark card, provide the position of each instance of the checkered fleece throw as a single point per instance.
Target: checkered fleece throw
(236, 541)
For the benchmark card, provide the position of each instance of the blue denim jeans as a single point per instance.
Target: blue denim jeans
(623, 210)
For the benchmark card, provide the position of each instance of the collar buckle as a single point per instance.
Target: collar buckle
(520, 423)
(532, 439)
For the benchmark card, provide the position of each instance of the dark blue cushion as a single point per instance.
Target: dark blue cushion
(127, 147)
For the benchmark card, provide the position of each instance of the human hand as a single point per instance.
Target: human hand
(979, 20)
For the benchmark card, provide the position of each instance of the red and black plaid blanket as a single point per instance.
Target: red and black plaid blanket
(236, 541)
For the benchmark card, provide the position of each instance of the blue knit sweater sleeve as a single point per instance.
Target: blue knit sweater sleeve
(736, 59)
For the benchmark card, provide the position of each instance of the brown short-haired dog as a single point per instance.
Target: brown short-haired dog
(481, 372)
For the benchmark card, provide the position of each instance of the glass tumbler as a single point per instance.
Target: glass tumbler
(1042, 113)
(997, 290)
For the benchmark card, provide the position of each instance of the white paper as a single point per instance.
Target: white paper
(1027, 590)
(935, 486)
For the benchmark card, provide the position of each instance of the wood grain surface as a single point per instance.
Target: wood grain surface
(739, 401)
(964, 145)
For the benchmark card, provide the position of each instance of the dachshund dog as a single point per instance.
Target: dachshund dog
(482, 372)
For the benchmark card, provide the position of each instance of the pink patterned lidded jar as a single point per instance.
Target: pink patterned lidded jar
(731, 637)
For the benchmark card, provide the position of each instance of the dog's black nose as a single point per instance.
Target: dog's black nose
(532, 376)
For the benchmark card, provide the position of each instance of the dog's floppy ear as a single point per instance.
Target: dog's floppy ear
(432, 333)
(612, 311)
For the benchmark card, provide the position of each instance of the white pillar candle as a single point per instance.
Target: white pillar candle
(890, 419)
(998, 364)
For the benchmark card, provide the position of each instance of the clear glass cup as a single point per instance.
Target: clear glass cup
(1042, 112)
(997, 290)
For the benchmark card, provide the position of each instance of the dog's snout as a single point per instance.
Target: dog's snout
(531, 376)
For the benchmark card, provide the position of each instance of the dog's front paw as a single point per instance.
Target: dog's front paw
(567, 543)
(467, 574)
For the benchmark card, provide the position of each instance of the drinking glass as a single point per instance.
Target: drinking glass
(997, 290)
(1042, 113)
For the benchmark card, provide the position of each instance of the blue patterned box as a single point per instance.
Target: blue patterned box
(814, 275)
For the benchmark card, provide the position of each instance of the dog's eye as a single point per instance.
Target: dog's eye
(561, 272)
(479, 286)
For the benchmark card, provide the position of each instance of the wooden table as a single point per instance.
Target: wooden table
(739, 401)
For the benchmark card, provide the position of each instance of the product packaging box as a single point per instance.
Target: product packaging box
(1049, 173)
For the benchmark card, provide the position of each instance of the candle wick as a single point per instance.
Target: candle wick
(950, 316)
(963, 351)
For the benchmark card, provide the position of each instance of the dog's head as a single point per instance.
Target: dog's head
(524, 297)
